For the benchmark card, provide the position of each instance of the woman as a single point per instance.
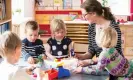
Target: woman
(98, 17)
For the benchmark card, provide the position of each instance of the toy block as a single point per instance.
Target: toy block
(63, 72)
(52, 74)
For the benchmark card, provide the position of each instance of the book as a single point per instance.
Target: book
(67, 4)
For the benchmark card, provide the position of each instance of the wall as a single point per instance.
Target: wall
(27, 10)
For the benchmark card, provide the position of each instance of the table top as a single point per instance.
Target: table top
(74, 76)
(85, 77)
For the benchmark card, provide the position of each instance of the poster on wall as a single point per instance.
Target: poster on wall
(58, 4)
(67, 4)
(76, 4)
(119, 7)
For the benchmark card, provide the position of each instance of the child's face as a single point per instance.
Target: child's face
(60, 34)
(32, 35)
(17, 54)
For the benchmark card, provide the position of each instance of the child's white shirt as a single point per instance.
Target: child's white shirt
(12, 72)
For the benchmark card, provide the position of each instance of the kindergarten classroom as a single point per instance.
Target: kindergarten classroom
(15, 13)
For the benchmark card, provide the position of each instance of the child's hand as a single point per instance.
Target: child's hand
(41, 75)
(31, 60)
(78, 69)
(30, 70)
(44, 57)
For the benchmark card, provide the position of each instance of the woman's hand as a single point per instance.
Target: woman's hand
(41, 75)
(79, 56)
(85, 62)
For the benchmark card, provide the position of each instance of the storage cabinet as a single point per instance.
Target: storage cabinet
(127, 40)
(77, 31)
(5, 16)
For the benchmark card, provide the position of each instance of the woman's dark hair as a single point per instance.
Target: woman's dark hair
(95, 6)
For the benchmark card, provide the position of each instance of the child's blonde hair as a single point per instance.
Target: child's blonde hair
(56, 25)
(108, 38)
(9, 41)
(33, 25)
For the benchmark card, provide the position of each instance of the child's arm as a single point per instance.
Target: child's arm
(94, 69)
(48, 51)
(70, 49)
(25, 54)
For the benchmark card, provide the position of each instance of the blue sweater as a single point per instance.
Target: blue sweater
(33, 49)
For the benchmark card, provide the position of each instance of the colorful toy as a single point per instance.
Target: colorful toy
(63, 72)
(72, 53)
(39, 61)
(57, 60)
(52, 74)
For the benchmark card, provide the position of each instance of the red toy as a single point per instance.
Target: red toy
(52, 74)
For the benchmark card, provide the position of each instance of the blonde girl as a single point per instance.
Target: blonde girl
(58, 46)
(109, 58)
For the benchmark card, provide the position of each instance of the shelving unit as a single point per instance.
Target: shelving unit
(7, 18)
(127, 40)
(77, 31)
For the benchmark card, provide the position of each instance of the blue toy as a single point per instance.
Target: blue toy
(63, 72)
(72, 52)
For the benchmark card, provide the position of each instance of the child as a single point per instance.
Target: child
(31, 46)
(10, 50)
(58, 46)
(109, 58)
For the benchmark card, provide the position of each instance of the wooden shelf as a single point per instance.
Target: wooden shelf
(77, 38)
(79, 32)
(5, 21)
(69, 35)
(84, 42)
(77, 26)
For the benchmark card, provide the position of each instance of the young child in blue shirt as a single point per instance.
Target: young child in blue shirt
(32, 47)
(58, 46)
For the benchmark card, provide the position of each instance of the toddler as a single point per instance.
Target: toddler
(109, 58)
(32, 47)
(10, 50)
(58, 46)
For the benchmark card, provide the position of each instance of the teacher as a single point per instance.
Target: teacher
(98, 17)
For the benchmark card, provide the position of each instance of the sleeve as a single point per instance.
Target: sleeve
(118, 46)
(42, 47)
(97, 69)
(25, 53)
(90, 39)
(49, 41)
(68, 41)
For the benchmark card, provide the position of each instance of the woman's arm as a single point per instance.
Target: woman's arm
(48, 52)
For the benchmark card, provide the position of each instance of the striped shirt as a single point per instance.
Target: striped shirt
(93, 48)
(33, 49)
